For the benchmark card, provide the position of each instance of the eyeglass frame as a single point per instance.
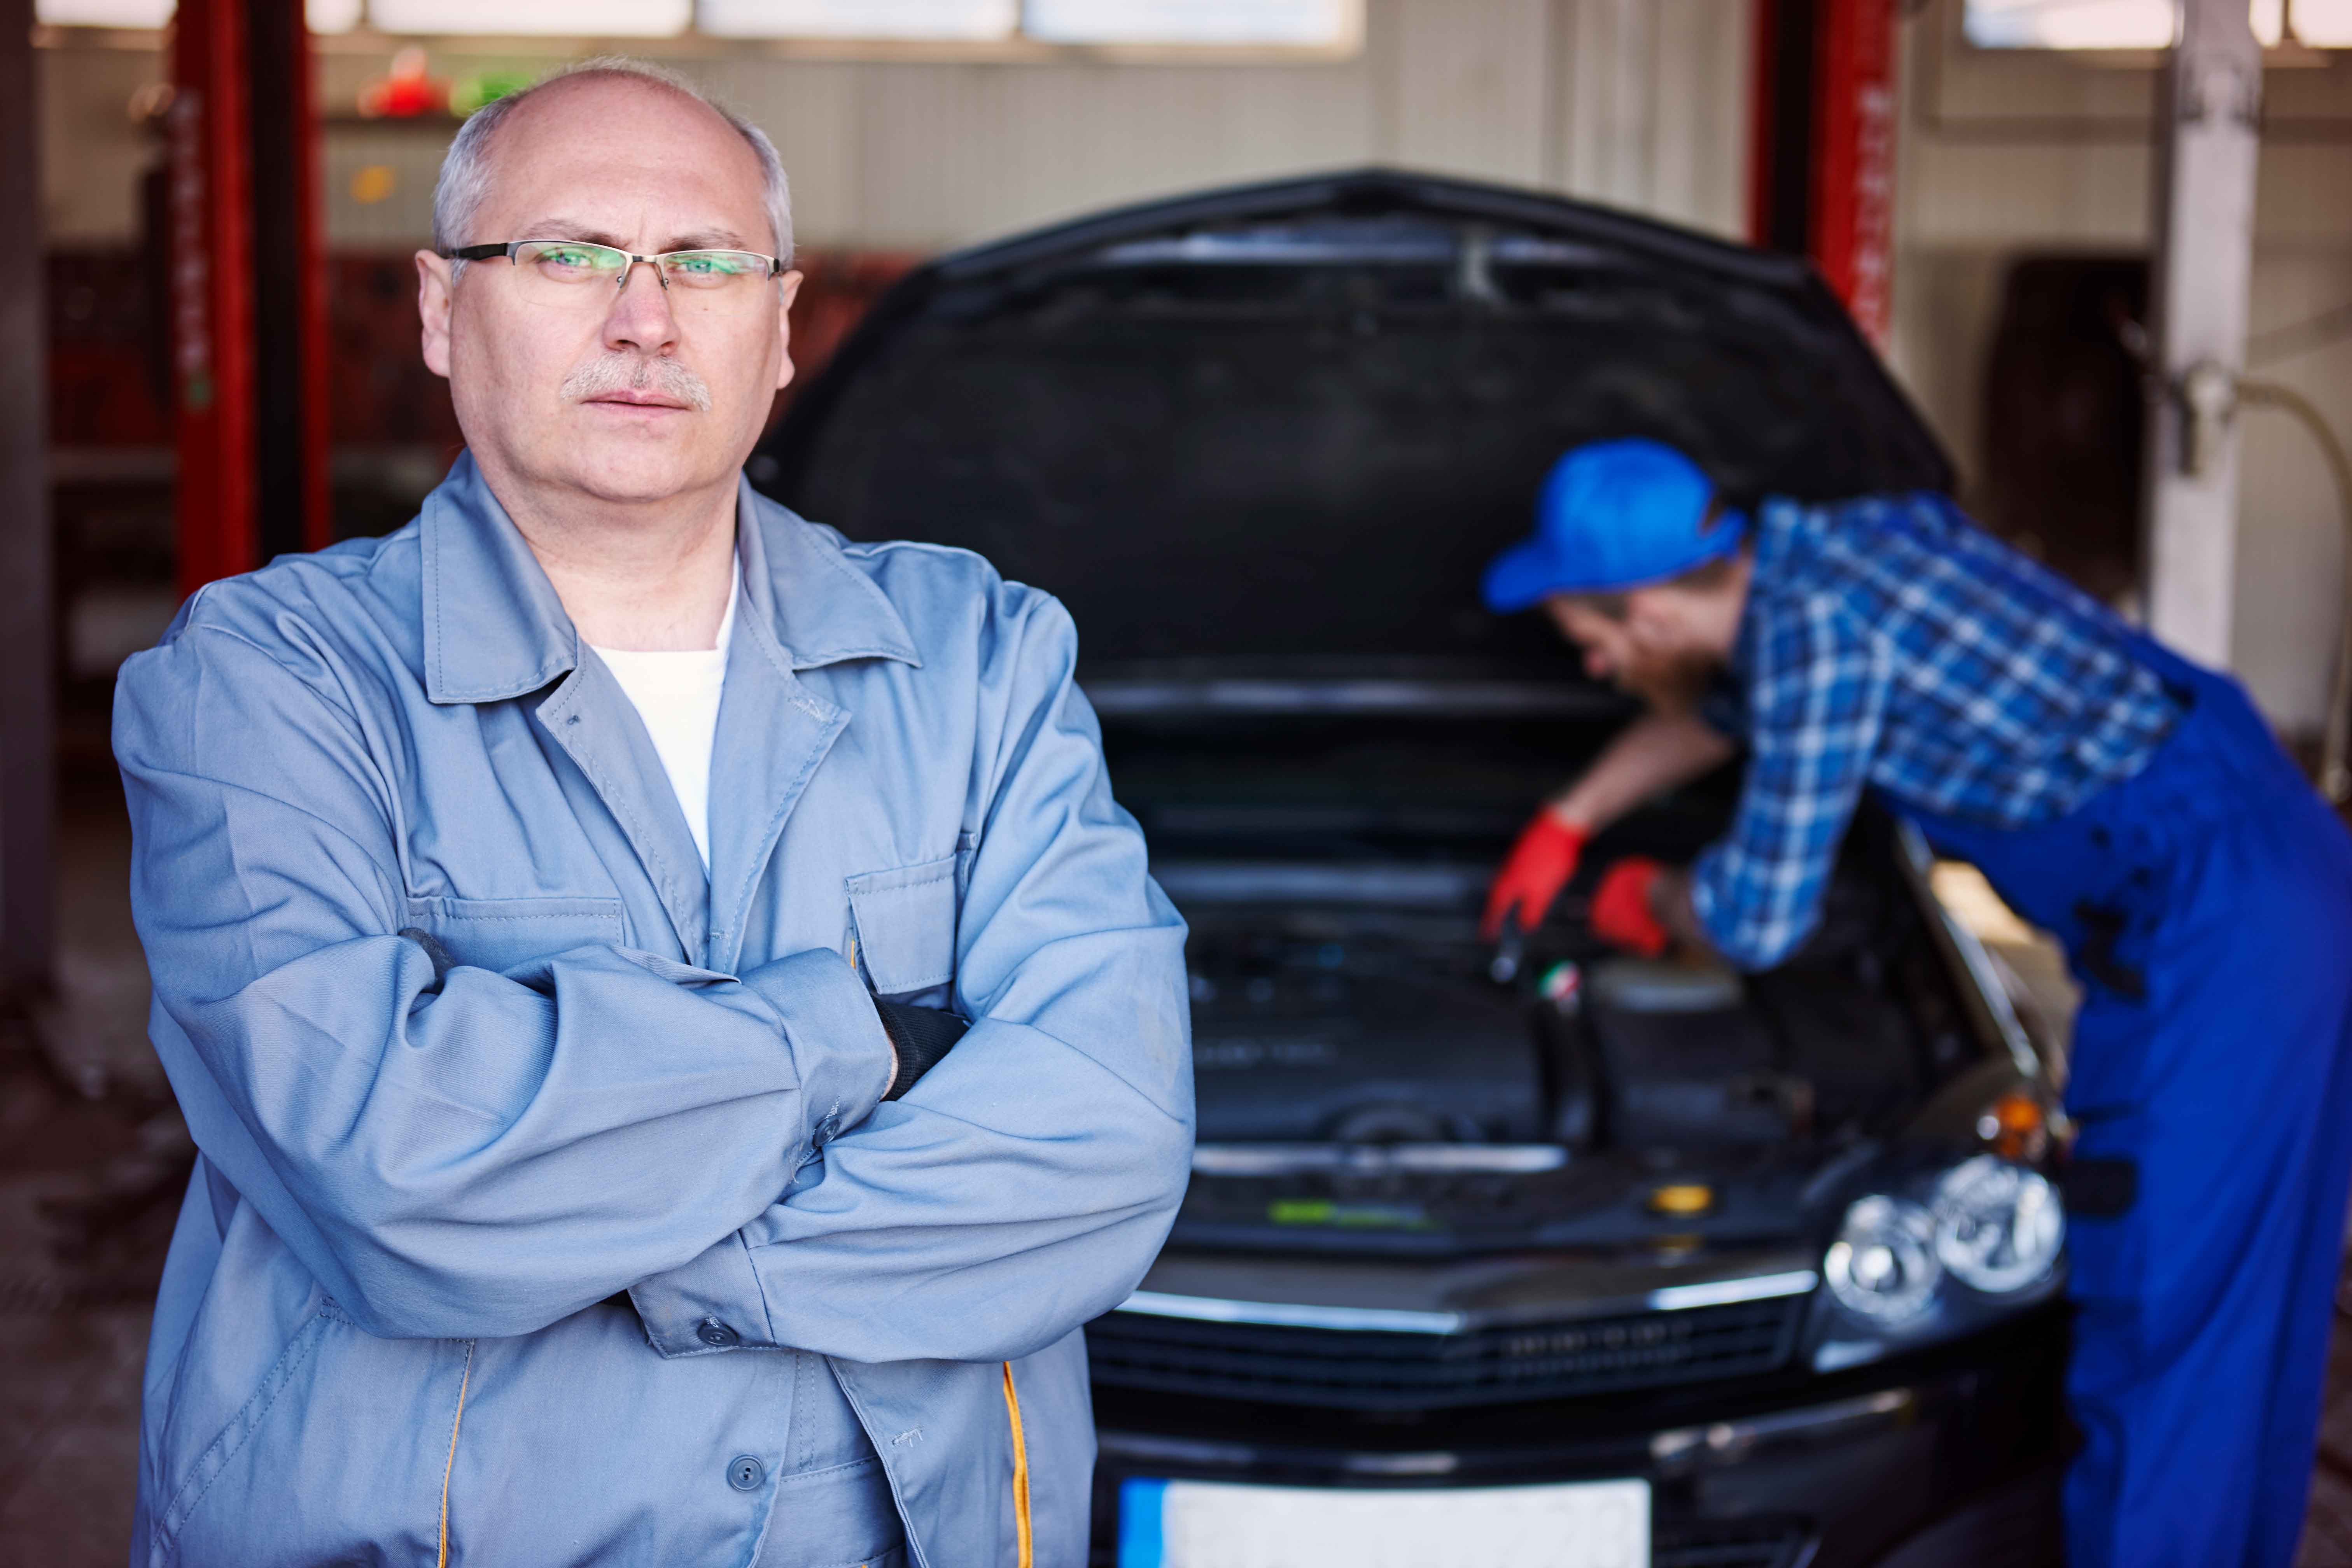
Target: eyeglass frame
(507, 249)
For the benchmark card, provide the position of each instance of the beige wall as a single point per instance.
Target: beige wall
(2006, 154)
(1635, 102)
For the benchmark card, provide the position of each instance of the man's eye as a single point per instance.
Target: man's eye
(708, 264)
(567, 257)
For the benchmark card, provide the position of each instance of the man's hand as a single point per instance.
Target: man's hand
(920, 1038)
(1644, 907)
(1621, 915)
(1670, 901)
(1537, 869)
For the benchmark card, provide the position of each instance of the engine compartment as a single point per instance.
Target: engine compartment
(1373, 1025)
(1369, 1078)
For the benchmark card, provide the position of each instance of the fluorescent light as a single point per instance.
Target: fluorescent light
(2139, 24)
(951, 20)
(102, 12)
(2069, 23)
(2324, 24)
(559, 18)
(1281, 23)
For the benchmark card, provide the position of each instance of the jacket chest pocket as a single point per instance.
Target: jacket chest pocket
(503, 933)
(904, 924)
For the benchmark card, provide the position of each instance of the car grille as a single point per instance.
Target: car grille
(1764, 1544)
(1402, 1371)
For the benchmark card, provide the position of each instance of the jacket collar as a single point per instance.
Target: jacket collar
(494, 629)
(800, 583)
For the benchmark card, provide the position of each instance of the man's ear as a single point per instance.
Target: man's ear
(788, 286)
(434, 295)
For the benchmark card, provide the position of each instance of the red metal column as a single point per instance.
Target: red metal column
(1821, 148)
(248, 287)
(211, 292)
(1854, 158)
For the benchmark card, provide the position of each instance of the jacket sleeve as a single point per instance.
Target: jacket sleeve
(1026, 1182)
(480, 1155)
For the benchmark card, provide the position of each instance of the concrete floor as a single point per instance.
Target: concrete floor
(92, 1159)
(74, 1305)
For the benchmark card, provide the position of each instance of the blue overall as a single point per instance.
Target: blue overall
(2206, 908)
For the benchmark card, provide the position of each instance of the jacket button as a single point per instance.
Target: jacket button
(719, 1336)
(745, 1473)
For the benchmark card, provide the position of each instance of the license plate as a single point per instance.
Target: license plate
(1218, 1524)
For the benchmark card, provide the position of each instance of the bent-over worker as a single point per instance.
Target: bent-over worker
(2127, 801)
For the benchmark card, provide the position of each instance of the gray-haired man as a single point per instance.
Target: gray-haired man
(552, 909)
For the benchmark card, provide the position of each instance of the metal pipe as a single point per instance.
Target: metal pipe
(2204, 259)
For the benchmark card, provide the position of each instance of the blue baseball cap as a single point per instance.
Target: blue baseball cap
(1613, 515)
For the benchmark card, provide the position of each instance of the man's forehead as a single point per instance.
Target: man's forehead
(579, 146)
(602, 97)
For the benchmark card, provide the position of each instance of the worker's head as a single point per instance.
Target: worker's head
(1637, 562)
(568, 373)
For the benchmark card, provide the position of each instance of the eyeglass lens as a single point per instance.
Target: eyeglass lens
(566, 271)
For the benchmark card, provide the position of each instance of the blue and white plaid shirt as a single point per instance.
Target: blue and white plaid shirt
(1888, 641)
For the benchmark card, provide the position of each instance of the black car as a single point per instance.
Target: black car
(1521, 1259)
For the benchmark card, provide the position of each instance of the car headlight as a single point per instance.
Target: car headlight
(1942, 1252)
(1998, 1227)
(1883, 1265)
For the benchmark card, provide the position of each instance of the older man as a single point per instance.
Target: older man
(548, 906)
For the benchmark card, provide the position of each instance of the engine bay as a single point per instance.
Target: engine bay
(1371, 1025)
(1369, 1076)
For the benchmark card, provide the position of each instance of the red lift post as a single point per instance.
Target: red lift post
(248, 288)
(1821, 144)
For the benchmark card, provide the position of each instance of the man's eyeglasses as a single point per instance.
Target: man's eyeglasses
(566, 271)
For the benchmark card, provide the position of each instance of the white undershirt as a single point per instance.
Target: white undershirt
(676, 695)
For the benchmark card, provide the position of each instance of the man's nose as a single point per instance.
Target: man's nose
(640, 316)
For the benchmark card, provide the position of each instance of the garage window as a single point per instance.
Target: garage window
(2141, 25)
(1018, 28)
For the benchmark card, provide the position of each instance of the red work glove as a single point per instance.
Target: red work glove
(1537, 869)
(1621, 915)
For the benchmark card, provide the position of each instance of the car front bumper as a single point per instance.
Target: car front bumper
(1948, 1457)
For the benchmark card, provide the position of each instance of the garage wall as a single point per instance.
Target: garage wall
(2005, 153)
(1635, 102)
(1638, 103)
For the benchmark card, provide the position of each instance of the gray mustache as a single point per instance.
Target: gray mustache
(615, 371)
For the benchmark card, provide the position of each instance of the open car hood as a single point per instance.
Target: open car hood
(1291, 422)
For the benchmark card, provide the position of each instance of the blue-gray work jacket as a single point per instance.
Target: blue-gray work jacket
(387, 1332)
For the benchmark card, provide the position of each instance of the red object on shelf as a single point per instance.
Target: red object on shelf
(406, 92)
